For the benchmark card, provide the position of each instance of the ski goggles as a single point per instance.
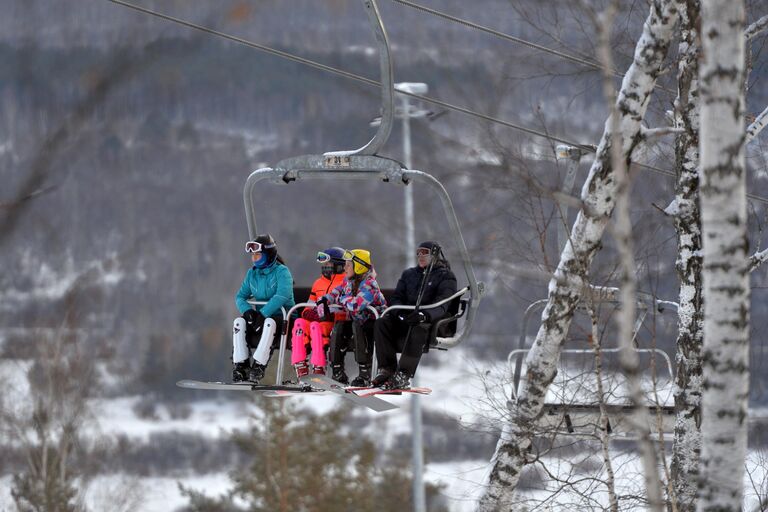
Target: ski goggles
(254, 246)
(423, 251)
(350, 256)
(323, 257)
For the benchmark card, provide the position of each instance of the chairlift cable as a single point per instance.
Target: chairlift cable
(376, 83)
(514, 39)
(506, 37)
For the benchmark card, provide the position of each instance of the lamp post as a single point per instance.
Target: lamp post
(406, 111)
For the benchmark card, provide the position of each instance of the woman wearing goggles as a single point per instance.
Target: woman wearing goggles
(258, 328)
(311, 329)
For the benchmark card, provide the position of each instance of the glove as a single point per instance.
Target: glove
(416, 318)
(310, 315)
(322, 309)
(254, 319)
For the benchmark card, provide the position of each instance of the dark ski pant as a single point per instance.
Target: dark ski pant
(390, 333)
(253, 335)
(352, 336)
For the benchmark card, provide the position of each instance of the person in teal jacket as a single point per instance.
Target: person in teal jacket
(259, 326)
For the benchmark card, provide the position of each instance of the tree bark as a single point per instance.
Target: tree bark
(686, 447)
(725, 277)
(565, 288)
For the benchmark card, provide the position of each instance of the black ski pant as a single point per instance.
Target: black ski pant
(352, 336)
(253, 334)
(390, 333)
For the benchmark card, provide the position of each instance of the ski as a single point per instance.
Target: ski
(244, 386)
(326, 383)
(380, 391)
(282, 393)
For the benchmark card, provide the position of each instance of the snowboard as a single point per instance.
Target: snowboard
(326, 383)
(380, 391)
(269, 389)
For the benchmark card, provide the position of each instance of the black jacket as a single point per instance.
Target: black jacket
(440, 285)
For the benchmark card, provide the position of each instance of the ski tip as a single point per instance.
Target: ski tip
(187, 383)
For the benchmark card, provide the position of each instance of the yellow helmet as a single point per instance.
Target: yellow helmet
(361, 259)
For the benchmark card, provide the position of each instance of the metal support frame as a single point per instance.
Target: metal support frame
(600, 294)
(518, 353)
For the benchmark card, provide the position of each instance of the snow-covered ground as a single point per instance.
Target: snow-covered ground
(471, 391)
(454, 393)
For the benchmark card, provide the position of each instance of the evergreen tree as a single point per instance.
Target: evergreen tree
(304, 462)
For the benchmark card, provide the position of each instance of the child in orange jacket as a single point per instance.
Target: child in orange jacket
(309, 329)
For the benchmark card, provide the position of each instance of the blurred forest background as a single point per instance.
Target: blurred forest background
(125, 141)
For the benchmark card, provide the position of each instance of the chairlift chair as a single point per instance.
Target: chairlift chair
(579, 417)
(364, 164)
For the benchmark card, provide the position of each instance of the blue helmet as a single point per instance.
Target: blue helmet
(333, 256)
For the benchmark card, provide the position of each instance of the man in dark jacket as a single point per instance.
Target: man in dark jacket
(391, 332)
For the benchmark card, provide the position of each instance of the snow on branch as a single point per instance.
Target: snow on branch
(755, 28)
(650, 133)
(756, 260)
(757, 125)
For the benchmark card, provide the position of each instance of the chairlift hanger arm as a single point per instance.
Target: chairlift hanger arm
(387, 86)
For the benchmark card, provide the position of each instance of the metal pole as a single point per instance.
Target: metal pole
(419, 496)
(410, 230)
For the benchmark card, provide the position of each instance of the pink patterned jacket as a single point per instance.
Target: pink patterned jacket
(356, 304)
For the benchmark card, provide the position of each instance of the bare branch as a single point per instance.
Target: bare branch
(755, 28)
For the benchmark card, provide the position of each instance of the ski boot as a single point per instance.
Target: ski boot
(399, 380)
(240, 371)
(339, 375)
(382, 377)
(257, 372)
(363, 379)
(318, 370)
(301, 369)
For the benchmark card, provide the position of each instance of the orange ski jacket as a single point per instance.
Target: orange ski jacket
(323, 286)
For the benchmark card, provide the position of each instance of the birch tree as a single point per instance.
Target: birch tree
(725, 272)
(565, 288)
(685, 211)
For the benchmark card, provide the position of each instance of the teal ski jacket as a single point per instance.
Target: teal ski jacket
(273, 284)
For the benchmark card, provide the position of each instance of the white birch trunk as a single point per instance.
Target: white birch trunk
(725, 278)
(565, 288)
(687, 440)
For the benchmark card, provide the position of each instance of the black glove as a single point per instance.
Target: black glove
(254, 319)
(416, 318)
